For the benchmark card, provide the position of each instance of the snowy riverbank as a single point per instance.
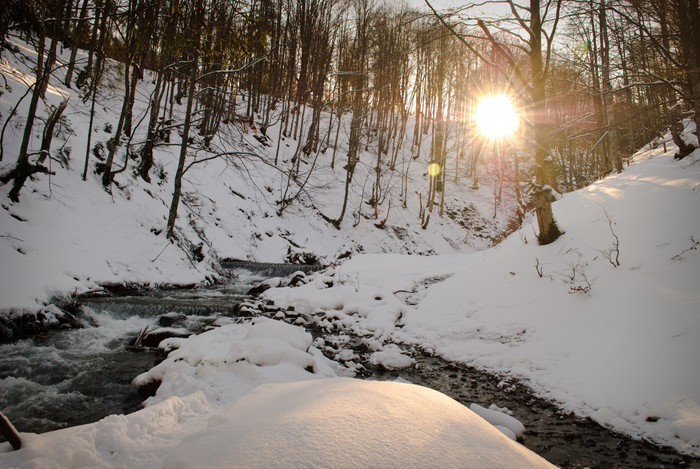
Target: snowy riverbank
(618, 344)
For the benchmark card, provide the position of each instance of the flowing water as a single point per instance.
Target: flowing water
(71, 377)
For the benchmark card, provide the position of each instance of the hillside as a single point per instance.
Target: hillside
(69, 236)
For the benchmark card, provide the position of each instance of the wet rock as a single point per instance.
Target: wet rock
(298, 278)
(153, 338)
(148, 389)
(171, 319)
(263, 286)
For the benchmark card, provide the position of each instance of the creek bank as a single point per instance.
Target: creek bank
(562, 438)
(22, 324)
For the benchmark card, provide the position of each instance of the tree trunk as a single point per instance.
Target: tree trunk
(115, 141)
(548, 229)
(177, 187)
(544, 175)
(147, 150)
(689, 23)
(48, 131)
(613, 143)
(22, 171)
(75, 42)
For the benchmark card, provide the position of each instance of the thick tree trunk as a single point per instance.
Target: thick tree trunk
(544, 174)
(548, 229)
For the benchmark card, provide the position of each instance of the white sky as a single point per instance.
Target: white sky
(493, 9)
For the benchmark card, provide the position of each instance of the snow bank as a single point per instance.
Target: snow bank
(619, 344)
(226, 362)
(340, 422)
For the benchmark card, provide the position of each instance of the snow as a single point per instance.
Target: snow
(339, 422)
(247, 393)
(618, 344)
(507, 424)
(391, 358)
(226, 362)
(350, 423)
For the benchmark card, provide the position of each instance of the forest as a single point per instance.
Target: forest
(592, 80)
(422, 233)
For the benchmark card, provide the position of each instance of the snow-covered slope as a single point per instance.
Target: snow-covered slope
(620, 344)
(67, 235)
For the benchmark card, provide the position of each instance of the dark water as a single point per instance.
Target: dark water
(79, 376)
(71, 377)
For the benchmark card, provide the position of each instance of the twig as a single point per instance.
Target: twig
(693, 247)
(161, 252)
(616, 244)
(8, 431)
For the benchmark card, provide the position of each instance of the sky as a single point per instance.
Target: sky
(491, 9)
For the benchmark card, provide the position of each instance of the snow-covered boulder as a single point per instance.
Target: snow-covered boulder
(349, 423)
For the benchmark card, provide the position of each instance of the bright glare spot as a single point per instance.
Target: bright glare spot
(433, 169)
(496, 116)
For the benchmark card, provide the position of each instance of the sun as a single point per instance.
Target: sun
(496, 116)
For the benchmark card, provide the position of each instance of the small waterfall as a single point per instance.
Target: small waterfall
(267, 269)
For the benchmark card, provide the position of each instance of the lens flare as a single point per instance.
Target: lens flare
(433, 169)
(496, 117)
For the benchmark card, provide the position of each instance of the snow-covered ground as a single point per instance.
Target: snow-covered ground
(617, 343)
(620, 344)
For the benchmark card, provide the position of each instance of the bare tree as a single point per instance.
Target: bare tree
(531, 20)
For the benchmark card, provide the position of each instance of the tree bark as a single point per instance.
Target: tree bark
(177, 186)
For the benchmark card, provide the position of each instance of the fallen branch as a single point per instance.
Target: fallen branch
(8, 431)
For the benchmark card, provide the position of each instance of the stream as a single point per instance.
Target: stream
(71, 377)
